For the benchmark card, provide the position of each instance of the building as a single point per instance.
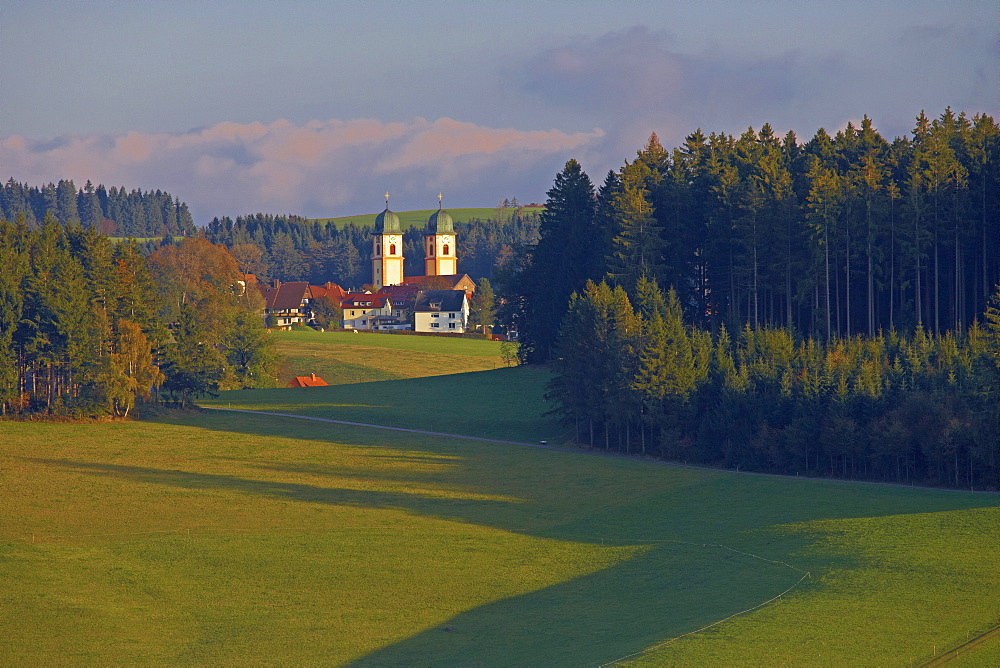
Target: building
(312, 380)
(286, 304)
(441, 311)
(441, 257)
(440, 248)
(365, 310)
(387, 249)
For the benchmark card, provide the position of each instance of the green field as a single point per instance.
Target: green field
(419, 217)
(345, 357)
(232, 538)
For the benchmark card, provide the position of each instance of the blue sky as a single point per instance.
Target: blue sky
(318, 108)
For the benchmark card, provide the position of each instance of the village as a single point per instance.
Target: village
(437, 302)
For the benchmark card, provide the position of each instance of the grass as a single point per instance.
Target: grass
(228, 538)
(223, 538)
(419, 217)
(343, 357)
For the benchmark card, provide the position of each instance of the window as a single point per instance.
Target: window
(451, 325)
(435, 324)
(445, 249)
(392, 249)
(435, 315)
(378, 249)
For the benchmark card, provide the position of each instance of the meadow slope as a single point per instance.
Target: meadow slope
(237, 538)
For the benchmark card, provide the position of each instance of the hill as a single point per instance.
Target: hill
(344, 357)
(419, 217)
(246, 538)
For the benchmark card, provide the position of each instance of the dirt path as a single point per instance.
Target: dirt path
(992, 634)
(592, 453)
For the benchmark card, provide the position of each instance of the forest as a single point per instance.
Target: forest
(826, 306)
(114, 212)
(91, 327)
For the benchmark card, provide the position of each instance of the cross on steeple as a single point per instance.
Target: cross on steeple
(387, 199)
(439, 201)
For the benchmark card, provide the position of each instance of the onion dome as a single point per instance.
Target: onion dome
(387, 223)
(440, 222)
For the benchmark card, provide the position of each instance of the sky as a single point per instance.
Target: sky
(319, 108)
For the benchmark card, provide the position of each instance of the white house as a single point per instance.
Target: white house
(441, 311)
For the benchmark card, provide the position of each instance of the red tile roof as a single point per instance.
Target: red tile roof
(356, 300)
(312, 380)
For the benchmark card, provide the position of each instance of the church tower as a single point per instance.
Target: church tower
(441, 258)
(387, 249)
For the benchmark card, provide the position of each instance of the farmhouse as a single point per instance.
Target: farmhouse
(286, 304)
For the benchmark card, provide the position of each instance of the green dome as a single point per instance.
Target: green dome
(440, 222)
(387, 223)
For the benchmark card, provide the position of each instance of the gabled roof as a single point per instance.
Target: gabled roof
(455, 281)
(283, 296)
(365, 300)
(432, 301)
(331, 290)
(312, 380)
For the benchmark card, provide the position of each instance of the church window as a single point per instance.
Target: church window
(378, 249)
(392, 249)
(446, 249)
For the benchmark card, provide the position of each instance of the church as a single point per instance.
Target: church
(436, 302)
(440, 258)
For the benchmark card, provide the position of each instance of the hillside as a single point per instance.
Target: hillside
(246, 538)
(344, 357)
(419, 217)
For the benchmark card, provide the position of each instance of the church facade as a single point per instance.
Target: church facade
(440, 252)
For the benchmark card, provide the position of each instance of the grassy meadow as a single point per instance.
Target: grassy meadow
(227, 538)
(345, 357)
(418, 218)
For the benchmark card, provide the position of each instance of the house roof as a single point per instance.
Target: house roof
(312, 380)
(456, 281)
(331, 290)
(282, 296)
(365, 300)
(439, 300)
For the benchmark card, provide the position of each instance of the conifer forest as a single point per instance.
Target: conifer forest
(826, 307)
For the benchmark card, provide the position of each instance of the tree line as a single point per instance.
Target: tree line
(920, 408)
(91, 327)
(114, 211)
(293, 248)
(841, 235)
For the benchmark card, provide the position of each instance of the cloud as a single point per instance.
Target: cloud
(635, 81)
(319, 168)
(635, 77)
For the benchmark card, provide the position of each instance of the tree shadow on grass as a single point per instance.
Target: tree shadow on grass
(668, 589)
(682, 582)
